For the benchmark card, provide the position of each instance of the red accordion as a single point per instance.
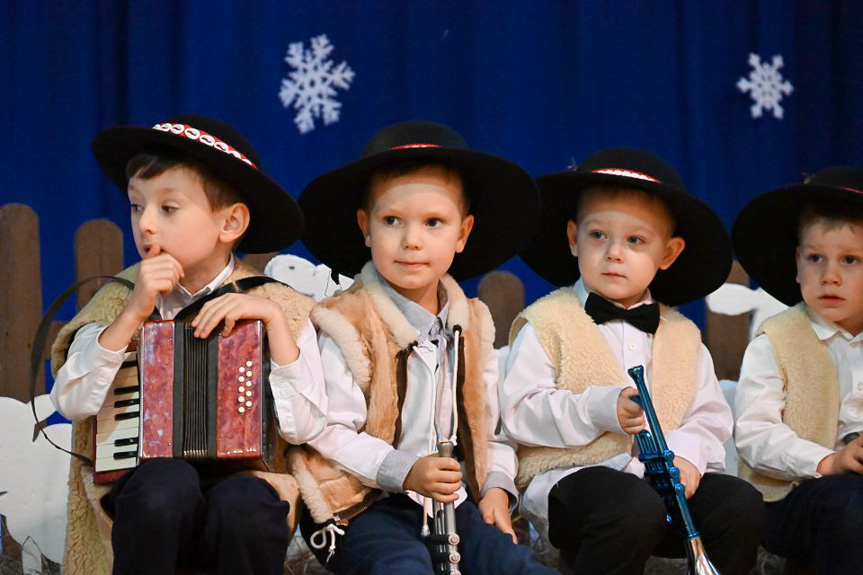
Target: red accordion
(204, 400)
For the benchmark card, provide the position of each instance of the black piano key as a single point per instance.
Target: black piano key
(125, 454)
(127, 402)
(127, 390)
(130, 415)
(126, 441)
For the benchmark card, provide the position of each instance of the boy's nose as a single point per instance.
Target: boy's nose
(146, 221)
(411, 238)
(831, 274)
(614, 252)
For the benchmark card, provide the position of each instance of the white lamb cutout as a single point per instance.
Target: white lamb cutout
(736, 299)
(34, 476)
(305, 277)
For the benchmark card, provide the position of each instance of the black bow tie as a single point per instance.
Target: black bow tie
(644, 317)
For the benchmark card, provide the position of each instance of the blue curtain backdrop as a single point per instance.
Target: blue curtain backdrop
(542, 83)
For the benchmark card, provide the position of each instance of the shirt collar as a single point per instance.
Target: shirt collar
(170, 304)
(582, 291)
(825, 329)
(419, 317)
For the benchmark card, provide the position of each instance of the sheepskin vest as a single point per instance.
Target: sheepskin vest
(811, 390)
(376, 339)
(582, 358)
(88, 535)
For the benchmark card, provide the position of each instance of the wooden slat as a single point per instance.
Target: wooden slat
(20, 298)
(726, 336)
(98, 252)
(503, 293)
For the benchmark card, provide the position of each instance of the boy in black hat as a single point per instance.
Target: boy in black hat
(196, 191)
(408, 359)
(799, 402)
(638, 238)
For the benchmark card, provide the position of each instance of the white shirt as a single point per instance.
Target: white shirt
(298, 390)
(763, 441)
(375, 462)
(534, 412)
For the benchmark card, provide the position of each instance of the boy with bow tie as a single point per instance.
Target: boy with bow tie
(566, 396)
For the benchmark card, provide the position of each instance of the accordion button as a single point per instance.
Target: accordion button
(241, 379)
(241, 409)
(248, 393)
(249, 373)
(241, 389)
(248, 404)
(241, 369)
(249, 363)
(240, 399)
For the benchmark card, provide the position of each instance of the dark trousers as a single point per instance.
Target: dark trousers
(166, 516)
(820, 521)
(385, 539)
(606, 521)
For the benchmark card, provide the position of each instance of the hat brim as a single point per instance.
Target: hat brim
(700, 269)
(275, 218)
(504, 202)
(765, 236)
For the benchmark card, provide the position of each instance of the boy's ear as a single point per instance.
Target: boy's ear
(673, 249)
(464, 232)
(572, 235)
(236, 222)
(363, 221)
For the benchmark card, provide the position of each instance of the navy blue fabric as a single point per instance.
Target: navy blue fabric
(541, 83)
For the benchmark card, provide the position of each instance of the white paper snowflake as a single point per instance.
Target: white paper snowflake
(765, 85)
(311, 87)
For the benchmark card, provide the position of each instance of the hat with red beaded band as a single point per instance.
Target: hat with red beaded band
(700, 269)
(765, 233)
(503, 199)
(275, 218)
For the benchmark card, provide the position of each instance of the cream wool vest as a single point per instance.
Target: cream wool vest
(582, 358)
(371, 332)
(811, 390)
(88, 535)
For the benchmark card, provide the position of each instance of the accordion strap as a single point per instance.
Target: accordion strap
(38, 352)
(238, 286)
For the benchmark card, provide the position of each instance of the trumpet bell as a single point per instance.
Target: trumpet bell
(699, 564)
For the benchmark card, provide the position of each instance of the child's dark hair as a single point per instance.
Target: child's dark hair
(832, 212)
(410, 166)
(155, 161)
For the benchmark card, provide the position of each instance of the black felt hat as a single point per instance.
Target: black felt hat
(765, 233)
(275, 218)
(503, 197)
(700, 269)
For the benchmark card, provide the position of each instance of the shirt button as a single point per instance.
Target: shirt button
(632, 346)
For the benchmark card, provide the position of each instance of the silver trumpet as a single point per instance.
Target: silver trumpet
(444, 540)
(663, 475)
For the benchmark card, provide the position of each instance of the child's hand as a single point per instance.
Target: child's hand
(849, 458)
(158, 273)
(494, 508)
(629, 414)
(233, 307)
(689, 476)
(436, 477)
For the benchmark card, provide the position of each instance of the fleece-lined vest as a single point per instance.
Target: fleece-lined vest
(375, 339)
(88, 535)
(582, 358)
(811, 390)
